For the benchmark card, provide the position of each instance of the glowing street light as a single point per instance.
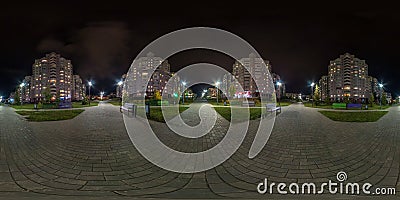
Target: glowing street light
(183, 97)
(217, 84)
(312, 94)
(279, 84)
(101, 96)
(90, 85)
(21, 86)
(120, 83)
(204, 93)
(381, 90)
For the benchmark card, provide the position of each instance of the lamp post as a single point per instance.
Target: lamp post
(380, 89)
(21, 86)
(216, 86)
(119, 87)
(120, 90)
(183, 95)
(312, 94)
(279, 94)
(90, 85)
(101, 96)
(204, 93)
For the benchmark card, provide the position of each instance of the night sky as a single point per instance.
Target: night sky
(102, 39)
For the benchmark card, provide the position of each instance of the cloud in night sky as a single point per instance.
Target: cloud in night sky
(98, 47)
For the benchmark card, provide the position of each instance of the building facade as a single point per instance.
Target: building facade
(52, 77)
(142, 82)
(347, 79)
(26, 89)
(159, 79)
(78, 88)
(256, 67)
(118, 89)
(324, 87)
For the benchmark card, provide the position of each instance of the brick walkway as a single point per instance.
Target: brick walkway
(91, 155)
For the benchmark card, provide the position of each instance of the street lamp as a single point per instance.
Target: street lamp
(101, 96)
(21, 86)
(204, 93)
(381, 88)
(183, 97)
(90, 85)
(216, 85)
(279, 88)
(120, 91)
(312, 94)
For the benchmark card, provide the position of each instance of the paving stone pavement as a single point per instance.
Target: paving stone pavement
(92, 156)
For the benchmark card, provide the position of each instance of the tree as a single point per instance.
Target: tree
(17, 97)
(85, 100)
(232, 90)
(346, 99)
(327, 100)
(384, 99)
(316, 94)
(58, 98)
(157, 95)
(47, 95)
(371, 99)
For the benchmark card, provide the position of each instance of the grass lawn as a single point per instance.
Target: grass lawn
(115, 103)
(225, 112)
(377, 107)
(78, 104)
(56, 115)
(23, 106)
(282, 104)
(372, 116)
(325, 106)
(74, 105)
(156, 113)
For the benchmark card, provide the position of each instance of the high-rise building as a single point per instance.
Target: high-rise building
(78, 88)
(26, 89)
(159, 79)
(255, 66)
(118, 90)
(52, 77)
(348, 78)
(227, 84)
(324, 87)
(142, 82)
(52, 74)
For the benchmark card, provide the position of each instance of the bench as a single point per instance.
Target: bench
(271, 107)
(354, 105)
(130, 108)
(248, 104)
(63, 105)
(339, 106)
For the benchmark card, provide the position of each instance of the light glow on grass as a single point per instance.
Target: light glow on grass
(56, 115)
(366, 116)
